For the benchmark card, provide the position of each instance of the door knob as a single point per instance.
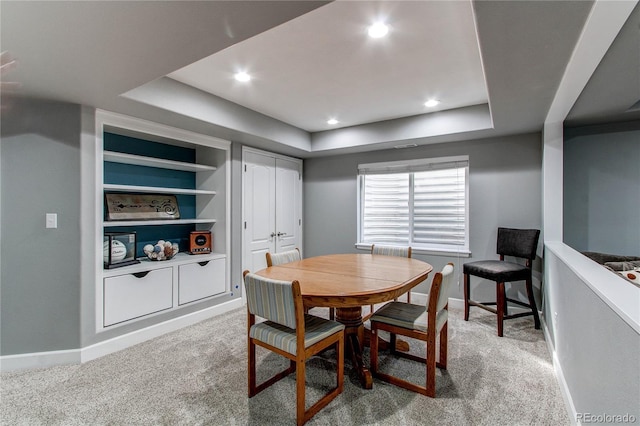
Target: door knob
(280, 234)
(273, 234)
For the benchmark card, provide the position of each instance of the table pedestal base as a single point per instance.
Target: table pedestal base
(354, 336)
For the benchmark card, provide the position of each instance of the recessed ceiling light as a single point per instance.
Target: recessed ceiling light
(332, 121)
(377, 30)
(242, 76)
(431, 103)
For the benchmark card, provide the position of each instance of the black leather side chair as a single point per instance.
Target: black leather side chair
(521, 243)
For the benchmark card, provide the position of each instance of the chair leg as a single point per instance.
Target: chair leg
(409, 296)
(505, 310)
(443, 346)
(340, 358)
(332, 314)
(500, 307)
(252, 369)
(430, 389)
(373, 349)
(466, 297)
(300, 388)
(532, 303)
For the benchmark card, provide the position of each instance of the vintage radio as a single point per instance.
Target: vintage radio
(200, 242)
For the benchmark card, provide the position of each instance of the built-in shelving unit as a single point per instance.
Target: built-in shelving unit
(138, 156)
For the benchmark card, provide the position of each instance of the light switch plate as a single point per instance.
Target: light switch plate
(51, 220)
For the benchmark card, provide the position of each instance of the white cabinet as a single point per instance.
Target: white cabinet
(137, 294)
(137, 156)
(272, 205)
(200, 280)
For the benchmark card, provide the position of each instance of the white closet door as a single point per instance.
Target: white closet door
(259, 193)
(272, 206)
(288, 205)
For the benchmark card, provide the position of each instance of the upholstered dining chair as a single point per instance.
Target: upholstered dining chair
(420, 322)
(519, 243)
(291, 333)
(290, 256)
(400, 251)
(283, 257)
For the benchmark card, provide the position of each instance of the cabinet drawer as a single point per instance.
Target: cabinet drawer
(130, 296)
(201, 279)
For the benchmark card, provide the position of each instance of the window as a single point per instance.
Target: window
(421, 203)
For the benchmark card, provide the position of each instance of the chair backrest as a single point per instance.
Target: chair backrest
(271, 299)
(441, 291)
(391, 250)
(518, 242)
(283, 257)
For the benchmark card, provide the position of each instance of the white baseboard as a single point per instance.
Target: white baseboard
(564, 388)
(78, 356)
(39, 360)
(421, 299)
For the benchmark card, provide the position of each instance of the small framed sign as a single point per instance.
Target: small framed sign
(130, 206)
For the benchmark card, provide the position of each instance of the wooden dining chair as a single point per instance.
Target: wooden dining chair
(291, 256)
(400, 251)
(291, 333)
(520, 243)
(418, 322)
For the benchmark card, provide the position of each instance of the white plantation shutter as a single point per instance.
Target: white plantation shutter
(386, 209)
(439, 208)
(421, 203)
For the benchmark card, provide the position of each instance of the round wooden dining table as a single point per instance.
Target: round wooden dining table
(347, 282)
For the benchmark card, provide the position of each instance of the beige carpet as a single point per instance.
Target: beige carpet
(197, 376)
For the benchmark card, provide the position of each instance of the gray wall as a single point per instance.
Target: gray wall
(505, 190)
(40, 278)
(602, 188)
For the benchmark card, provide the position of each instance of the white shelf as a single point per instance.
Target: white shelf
(146, 264)
(112, 224)
(156, 189)
(138, 160)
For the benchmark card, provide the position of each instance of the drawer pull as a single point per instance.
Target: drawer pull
(140, 274)
(205, 263)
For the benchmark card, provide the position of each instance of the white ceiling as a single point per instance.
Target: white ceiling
(495, 65)
(324, 65)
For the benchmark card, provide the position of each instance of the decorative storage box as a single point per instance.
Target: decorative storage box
(119, 249)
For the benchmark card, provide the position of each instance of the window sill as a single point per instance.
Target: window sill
(430, 252)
